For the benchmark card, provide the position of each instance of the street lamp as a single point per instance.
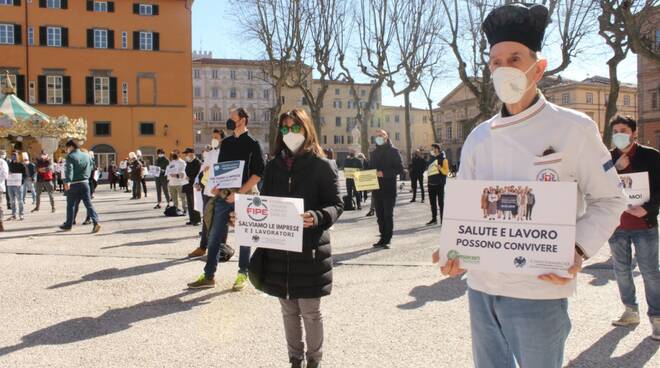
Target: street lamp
(165, 128)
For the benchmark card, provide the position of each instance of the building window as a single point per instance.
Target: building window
(124, 93)
(448, 131)
(215, 92)
(199, 115)
(565, 98)
(146, 9)
(266, 94)
(387, 118)
(363, 93)
(102, 129)
(216, 115)
(337, 139)
(232, 92)
(214, 74)
(232, 74)
(397, 136)
(325, 139)
(100, 38)
(124, 40)
(101, 91)
(590, 98)
(196, 74)
(7, 34)
(54, 4)
(250, 75)
(146, 41)
(54, 90)
(349, 104)
(31, 36)
(54, 36)
(198, 91)
(283, 100)
(396, 118)
(147, 128)
(338, 121)
(336, 91)
(626, 100)
(654, 101)
(6, 2)
(657, 39)
(250, 93)
(100, 6)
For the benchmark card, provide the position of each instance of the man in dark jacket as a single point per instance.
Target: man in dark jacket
(417, 168)
(638, 226)
(353, 162)
(136, 175)
(386, 160)
(193, 165)
(161, 180)
(16, 191)
(438, 169)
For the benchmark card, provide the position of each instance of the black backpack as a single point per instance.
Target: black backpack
(349, 203)
(172, 211)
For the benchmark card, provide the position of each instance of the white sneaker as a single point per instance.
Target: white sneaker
(21, 218)
(629, 317)
(655, 326)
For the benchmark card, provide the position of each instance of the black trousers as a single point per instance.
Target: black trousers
(144, 187)
(193, 215)
(385, 215)
(413, 183)
(161, 186)
(352, 192)
(203, 241)
(437, 198)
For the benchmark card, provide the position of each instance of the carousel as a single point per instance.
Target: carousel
(26, 129)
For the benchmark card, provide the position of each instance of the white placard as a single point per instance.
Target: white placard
(15, 180)
(227, 175)
(636, 186)
(198, 201)
(510, 227)
(269, 222)
(154, 171)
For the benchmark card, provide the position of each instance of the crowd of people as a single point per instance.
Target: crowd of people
(516, 320)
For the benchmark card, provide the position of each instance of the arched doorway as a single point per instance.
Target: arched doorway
(104, 155)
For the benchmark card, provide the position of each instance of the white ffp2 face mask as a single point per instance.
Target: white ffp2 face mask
(621, 140)
(510, 83)
(215, 143)
(293, 141)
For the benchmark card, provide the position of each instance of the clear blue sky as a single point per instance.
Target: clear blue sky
(216, 29)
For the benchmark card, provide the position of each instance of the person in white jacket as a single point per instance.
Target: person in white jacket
(4, 175)
(520, 318)
(176, 175)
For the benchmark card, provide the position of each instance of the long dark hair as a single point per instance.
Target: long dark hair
(311, 144)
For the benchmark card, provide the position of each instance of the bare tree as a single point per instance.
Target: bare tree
(571, 21)
(374, 22)
(635, 14)
(280, 27)
(417, 33)
(429, 78)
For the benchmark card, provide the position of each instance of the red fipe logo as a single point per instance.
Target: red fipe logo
(257, 210)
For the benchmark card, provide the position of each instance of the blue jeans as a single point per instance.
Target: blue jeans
(79, 192)
(509, 330)
(646, 250)
(28, 184)
(218, 236)
(16, 199)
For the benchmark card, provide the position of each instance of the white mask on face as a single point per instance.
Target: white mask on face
(294, 141)
(621, 140)
(511, 83)
(215, 143)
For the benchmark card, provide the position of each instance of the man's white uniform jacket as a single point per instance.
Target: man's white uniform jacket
(512, 149)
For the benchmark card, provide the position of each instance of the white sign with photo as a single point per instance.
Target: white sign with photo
(154, 171)
(227, 175)
(636, 186)
(15, 180)
(510, 227)
(269, 222)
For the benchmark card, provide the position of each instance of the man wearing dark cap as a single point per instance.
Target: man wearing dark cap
(239, 146)
(514, 317)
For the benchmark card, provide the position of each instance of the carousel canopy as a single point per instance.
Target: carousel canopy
(13, 110)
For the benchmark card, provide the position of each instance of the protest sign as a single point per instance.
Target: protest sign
(510, 227)
(433, 169)
(636, 186)
(15, 180)
(366, 180)
(227, 175)
(269, 222)
(349, 172)
(154, 171)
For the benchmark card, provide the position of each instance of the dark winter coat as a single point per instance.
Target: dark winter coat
(387, 159)
(308, 274)
(192, 169)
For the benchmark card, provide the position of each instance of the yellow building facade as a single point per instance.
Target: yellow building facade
(124, 66)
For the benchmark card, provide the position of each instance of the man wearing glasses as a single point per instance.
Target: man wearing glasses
(237, 147)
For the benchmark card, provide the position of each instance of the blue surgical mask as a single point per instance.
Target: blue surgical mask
(621, 140)
(380, 140)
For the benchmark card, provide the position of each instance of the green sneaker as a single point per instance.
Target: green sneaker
(202, 283)
(241, 281)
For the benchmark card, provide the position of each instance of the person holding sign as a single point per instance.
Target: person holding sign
(18, 173)
(299, 280)
(352, 165)
(638, 225)
(386, 160)
(438, 169)
(4, 175)
(521, 318)
(239, 148)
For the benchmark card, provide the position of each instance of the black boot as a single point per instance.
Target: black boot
(432, 222)
(297, 363)
(313, 364)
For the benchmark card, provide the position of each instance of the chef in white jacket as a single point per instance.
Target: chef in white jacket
(520, 318)
(4, 175)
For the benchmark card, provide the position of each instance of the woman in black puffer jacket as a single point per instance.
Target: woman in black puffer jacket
(299, 170)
